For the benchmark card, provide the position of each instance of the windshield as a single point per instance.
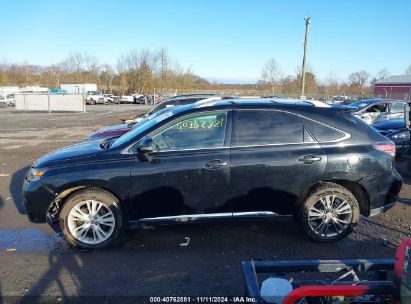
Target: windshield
(142, 126)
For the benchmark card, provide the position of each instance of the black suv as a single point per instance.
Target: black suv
(226, 159)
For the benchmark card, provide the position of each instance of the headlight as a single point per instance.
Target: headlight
(34, 174)
(402, 135)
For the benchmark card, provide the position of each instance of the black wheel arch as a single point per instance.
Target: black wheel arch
(57, 204)
(355, 188)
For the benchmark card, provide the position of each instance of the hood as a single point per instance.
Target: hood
(390, 124)
(113, 131)
(83, 151)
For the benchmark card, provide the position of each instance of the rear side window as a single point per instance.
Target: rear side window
(268, 127)
(398, 107)
(323, 132)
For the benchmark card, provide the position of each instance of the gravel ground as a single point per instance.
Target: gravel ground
(35, 261)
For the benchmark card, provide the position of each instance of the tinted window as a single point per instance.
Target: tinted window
(196, 132)
(268, 127)
(322, 132)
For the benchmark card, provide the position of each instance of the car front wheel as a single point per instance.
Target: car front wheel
(329, 213)
(91, 218)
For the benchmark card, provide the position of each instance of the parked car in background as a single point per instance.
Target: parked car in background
(274, 96)
(3, 102)
(7, 100)
(376, 110)
(339, 99)
(396, 131)
(120, 129)
(11, 100)
(110, 98)
(127, 99)
(94, 97)
(235, 159)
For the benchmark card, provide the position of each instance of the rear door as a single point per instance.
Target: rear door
(274, 159)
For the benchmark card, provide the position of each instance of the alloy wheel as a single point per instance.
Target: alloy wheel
(330, 216)
(91, 222)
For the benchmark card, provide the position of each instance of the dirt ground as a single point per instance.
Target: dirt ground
(34, 261)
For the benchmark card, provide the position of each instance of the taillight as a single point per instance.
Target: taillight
(385, 147)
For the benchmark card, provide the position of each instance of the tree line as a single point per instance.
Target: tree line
(138, 71)
(357, 83)
(146, 71)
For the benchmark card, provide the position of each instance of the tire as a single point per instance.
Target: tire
(329, 213)
(92, 102)
(99, 231)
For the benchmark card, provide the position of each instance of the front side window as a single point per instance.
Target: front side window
(378, 108)
(268, 127)
(196, 132)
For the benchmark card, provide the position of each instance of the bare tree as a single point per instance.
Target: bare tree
(141, 66)
(358, 80)
(164, 69)
(408, 70)
(382, 74)
(90, 67)
(122, 72)
(107, 76)
(271, 74)
(332, 84)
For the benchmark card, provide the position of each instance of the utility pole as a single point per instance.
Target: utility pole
(307, 28)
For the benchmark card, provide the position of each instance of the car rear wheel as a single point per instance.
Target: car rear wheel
(91, 218)
(329, 213)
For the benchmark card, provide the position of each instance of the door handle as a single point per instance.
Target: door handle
(309, 159)
(215, 164)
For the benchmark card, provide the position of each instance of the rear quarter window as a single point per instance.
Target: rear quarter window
(323, 132)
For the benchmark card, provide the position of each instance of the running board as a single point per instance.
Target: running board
(191, 218)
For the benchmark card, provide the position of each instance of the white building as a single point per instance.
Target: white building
(78, 88)
(33, 89)
(4, 91)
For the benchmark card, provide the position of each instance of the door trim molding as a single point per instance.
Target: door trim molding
(187, 218)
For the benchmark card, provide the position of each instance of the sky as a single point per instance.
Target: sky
(220, 40)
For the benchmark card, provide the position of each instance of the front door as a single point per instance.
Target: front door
(273, 160)
(189, 172)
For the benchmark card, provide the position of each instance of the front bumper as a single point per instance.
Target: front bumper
(382, 191)
(36, 200)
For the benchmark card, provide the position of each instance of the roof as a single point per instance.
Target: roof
(399, 79)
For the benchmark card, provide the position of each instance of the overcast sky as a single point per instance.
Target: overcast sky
(219, 40)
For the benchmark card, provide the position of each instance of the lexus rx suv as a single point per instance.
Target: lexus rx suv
(231, 159)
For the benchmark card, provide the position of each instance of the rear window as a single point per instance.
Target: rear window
(323, 132)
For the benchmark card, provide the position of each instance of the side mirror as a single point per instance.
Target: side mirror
(145, 146)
